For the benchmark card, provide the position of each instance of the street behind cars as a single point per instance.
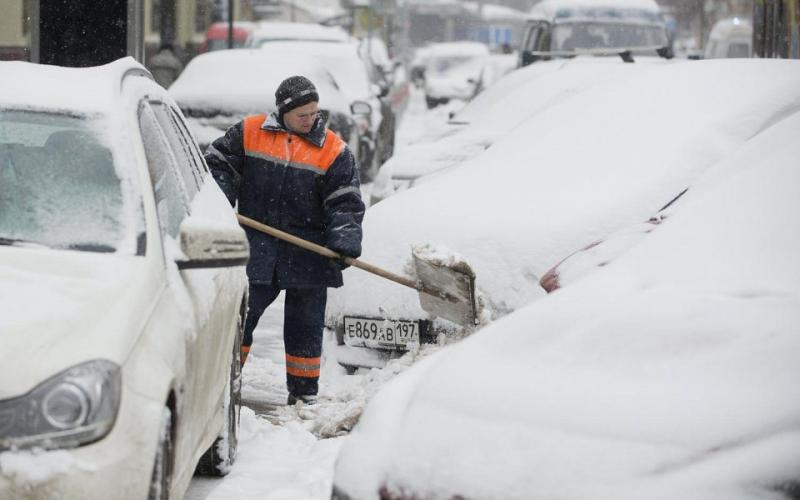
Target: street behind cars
(669, 373)
(123, 283)
(606, 158)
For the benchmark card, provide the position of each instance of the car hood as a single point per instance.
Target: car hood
(61, 308)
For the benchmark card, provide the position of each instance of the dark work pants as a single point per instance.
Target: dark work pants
(303, 322)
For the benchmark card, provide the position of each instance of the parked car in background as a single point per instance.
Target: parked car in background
(363, 85)
(218, 89)
(730, 38)
(453, 71)
(216, 37)
(564, 28)
(277, 31)
(390, 73)
(124, 290)
(670, 373)
(608, 157)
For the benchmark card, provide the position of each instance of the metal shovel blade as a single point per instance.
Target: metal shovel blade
(454, 285)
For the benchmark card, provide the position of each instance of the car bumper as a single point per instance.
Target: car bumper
(118, 466)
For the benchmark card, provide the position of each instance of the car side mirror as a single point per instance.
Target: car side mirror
(208, 244)
(361, 108)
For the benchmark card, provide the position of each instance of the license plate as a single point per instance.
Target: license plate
(379, 333)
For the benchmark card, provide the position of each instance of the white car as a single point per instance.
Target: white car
(669, 374)
(220, 88)
(124, 289)
(606, 158)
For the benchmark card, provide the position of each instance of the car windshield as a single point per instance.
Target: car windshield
(58, 186)
(593, 35)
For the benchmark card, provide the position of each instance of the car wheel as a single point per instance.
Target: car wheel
(161, 477)
(219, 458)
(431, 102)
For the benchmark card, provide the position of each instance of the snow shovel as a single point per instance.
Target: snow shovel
(445, 290)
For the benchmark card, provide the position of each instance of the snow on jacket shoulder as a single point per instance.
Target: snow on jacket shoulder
(304, 184)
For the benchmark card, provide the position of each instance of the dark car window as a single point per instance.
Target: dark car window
(171, 199)
(181, 147)
(199, 164)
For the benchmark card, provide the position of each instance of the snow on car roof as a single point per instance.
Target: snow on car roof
(279, 30)
(606, 158)
(86, 90)
(343, 60)
(619, 9)
(528, 90)
(244, 80)
(667, 374)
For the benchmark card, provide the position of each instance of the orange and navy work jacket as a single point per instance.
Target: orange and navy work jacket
(304, 184)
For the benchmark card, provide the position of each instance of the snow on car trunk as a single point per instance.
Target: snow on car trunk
(670, 373)
(609, 157)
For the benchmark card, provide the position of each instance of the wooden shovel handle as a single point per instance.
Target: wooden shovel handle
(327, 252)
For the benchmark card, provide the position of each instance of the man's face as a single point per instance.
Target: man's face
(301, 119)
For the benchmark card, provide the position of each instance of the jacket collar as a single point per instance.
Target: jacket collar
(316, 136)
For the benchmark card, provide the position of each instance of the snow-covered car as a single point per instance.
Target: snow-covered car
(453, 71)
(362, 83)
(123, 283)
(671, 373)
(485, 119)
(218, 89)
(602, 160)
(277, 31)
(564, 28)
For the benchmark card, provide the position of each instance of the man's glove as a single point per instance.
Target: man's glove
(341, 263)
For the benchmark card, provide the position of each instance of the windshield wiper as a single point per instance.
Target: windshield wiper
(6, 241)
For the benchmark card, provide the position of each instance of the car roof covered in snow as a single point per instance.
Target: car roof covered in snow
(86, 90)
(268, 31)
(609, 10)
(244, 80)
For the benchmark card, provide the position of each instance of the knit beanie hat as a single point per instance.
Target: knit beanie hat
(294, 92)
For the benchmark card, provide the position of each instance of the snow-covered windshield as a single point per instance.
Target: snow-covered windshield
(58, 186)
(592, 35)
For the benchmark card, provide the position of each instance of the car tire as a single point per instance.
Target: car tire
(219, 458)
(161, 478)
(431, 102)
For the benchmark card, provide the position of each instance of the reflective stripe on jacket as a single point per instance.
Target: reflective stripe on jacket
(304, 184)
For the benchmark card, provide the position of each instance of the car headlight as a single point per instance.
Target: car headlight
(76, 407)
